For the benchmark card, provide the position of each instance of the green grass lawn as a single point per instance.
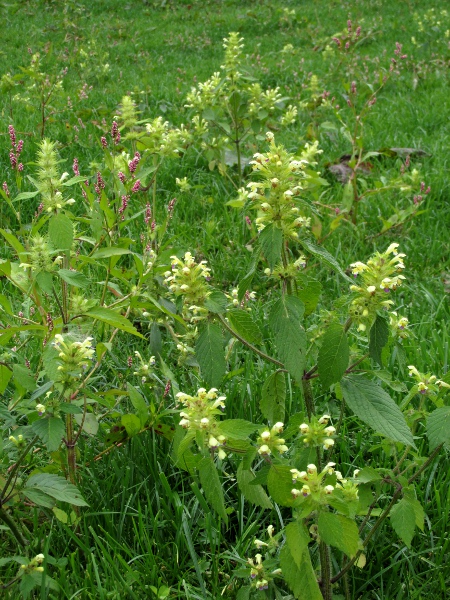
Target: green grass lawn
(148, 523)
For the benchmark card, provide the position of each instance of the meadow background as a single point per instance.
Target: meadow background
(144, 526)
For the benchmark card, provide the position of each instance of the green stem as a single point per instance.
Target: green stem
(9, 521)
(309, 398)
(325, 571)
(250, 346)
(16, 467)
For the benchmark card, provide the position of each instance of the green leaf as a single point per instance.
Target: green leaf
(290, 338)
(246, 282)
(295, 561)
(368, 475)
(273, 397)
(375, 407)
(60, 232)
(379, 336)
(242, 322)
(271, 242)
(438, 427)
(111, 317)
(50, 430)
(238, 429)
(333, 355)
(216, 302)
(15, 243)
(403, 521)
(323, 256)
(209, 352)
(139, 404)
(39, 498)
(74, 180)
(40, 391)
(132, 424)
(310, 295)
(244, 593)
(110, 251)
(339, 531)
(90, 423)
(279, 483)
(209, 478)
(74, 278)
(24, 378)
(56, 487)
(5, 376)
(26, 195)
(409, 496)
(253, 493)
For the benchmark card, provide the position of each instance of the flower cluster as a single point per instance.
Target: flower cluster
(49, 181)
(189, 280)
(34, 565)
(40, 256)
(283, 179)
(380, 275)
(262, 571)
(144, 369)
(314, 484)
(233, 297)
(270, 443)
(317, 432)
(162, 139)
(199, 414)
(398, 325)
(426, 383)
(75, 358)
(233, 50)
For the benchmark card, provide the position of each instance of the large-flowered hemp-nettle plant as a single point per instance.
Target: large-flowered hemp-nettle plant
(75, 281)
(231, 108)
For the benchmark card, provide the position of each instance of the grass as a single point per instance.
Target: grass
(148, 523)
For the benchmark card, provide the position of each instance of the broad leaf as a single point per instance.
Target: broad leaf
(271, 242)
(310, 295)
(5, 376)
(403, 521)
(60, 232)
(279, 483)
(246, 282)
(50, 430)
(379, 336)
(290, 337)
(209, 478)
(438, 427)
(273, 397)
(295, 562)
(216, 302)
(56, 487)
(74, 278)
(339, 531)
(323, 256)
(238, 429)
(110, 251)
(132, 424)
(333, 355)
(209, 352)
(139, 404)
(111, 317)
(253, 493)
(375, 407)
(242, 322)
(24, 378)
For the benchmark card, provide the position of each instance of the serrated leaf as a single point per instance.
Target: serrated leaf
(60, 232)
(368, 475)
(438, 427)
(379, 336)
(209, 478)
(209, 352)
(24, 378)
(290, 338)
(339, 531)
(132, 424)
(403, 521)
(110, 251)
(409, 496)
(295, 561)
(273, 398)
(56, 487)
(216, 302)
(111, 317)
(271, 242)
(51, 431)
(238, 429)
(139, 404)
(375, 407)
(74, 278)
(5, 376)
(323, 256)
(245, 283)
(243, 323)
(310, 295)
(279, 484)
(253, 493)
(333, 355)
